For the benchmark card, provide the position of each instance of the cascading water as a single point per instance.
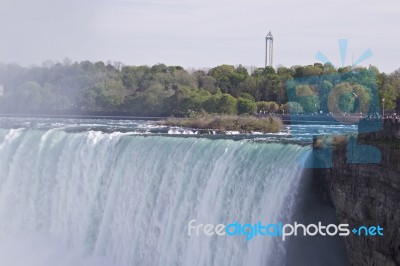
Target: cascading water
(93, 198)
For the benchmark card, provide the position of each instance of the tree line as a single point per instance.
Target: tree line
(160, 90)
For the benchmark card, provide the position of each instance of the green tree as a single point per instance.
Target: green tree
(246, 106)
(228, 78)
(207, 83)
(363, 98)
(390, 94)
(247, 96)
(249, 85)
(341, 98)
(267, 107)
(285, 72)
(307, 99)
(227, 104)
(293, 108)
(324, 89)
(210, 105)
(31, 97)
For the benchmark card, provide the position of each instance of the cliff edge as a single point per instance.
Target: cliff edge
(366, 194)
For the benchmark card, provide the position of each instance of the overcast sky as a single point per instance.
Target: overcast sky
(198, 33)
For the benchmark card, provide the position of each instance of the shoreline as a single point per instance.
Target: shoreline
(286, 119)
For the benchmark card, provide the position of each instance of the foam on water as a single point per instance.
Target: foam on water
(95, 198)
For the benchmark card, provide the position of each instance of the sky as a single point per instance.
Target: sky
(199, 34)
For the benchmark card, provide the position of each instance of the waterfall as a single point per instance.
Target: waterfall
(94, 198)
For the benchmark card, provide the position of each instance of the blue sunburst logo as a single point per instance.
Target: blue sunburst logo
(343, 53)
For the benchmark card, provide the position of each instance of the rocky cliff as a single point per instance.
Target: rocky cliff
(367, 194)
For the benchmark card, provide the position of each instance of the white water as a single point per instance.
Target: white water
(93, 198)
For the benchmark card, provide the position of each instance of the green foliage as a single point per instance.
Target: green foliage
(325, 89)
(228, 122)
(227, 104)
(228, 78)
(207, 83)
(363, 98)
(293, 108)
(210, 105)
(307, 99)
(246, 106)
(149, 102)
(30, 96)
(390, 94)
(247, 96)
(347, 98)
(249, 86)
(285, 72)
(162, 90)
(270, 107)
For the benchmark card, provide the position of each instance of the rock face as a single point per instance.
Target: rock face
(367, 194)
(390, 130)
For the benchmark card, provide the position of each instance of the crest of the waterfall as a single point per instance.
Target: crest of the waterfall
(128, 199)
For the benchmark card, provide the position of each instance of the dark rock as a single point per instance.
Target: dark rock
(367, 194)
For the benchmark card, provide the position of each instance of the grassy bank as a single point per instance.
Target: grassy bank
(223, 123)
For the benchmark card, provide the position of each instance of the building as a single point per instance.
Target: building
(269, 49)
